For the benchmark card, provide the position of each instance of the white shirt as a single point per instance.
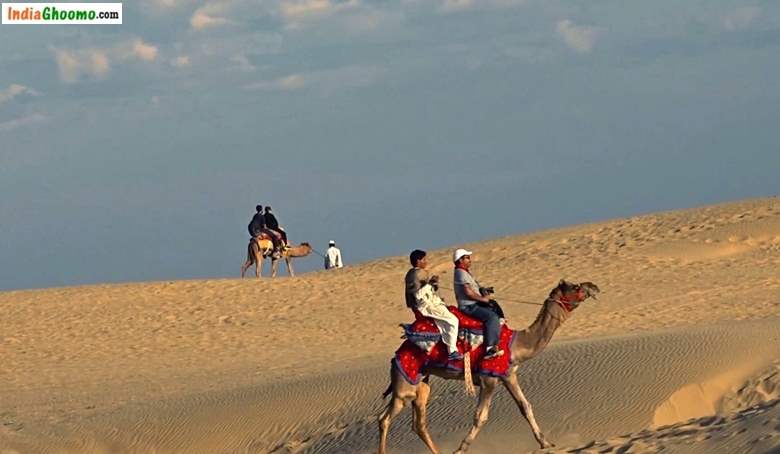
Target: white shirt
(333, 258)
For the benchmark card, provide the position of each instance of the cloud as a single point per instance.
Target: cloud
(456, 5)
(243, 64)
(181, 61)
(255, 43)
(579, 38)
(452, 6)
(21, 121)
(208, 16)
(297, 12)
(161, 8)
(73, 64)
(368, 21)
(741, 18)
(144, 51)
(288, 83)
(340, 15)
(293, 82)
(15, 90)
(326, 81)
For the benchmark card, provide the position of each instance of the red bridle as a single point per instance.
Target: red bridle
(566, 302)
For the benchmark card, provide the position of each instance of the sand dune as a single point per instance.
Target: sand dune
(681, 353)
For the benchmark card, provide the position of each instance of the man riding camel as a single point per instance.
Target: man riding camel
(273, 224)
(257, 224)
(421, 294)
(476, 302)
(257, 227)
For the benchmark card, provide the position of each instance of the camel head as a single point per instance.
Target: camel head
(302, 250)
(590, 289)
(572, 292)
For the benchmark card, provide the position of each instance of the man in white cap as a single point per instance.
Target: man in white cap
(472, 303)
(333, 256)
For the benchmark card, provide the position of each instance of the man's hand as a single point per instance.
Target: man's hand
(434, 282)
(485, 291)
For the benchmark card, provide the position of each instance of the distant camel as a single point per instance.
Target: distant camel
(258, 250)
(525, 345)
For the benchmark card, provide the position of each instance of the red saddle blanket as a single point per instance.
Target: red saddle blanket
(411, 359)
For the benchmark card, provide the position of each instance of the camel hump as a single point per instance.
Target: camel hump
(464, 321)
(263, 243)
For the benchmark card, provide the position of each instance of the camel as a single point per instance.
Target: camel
(258, 250)
(526, 344)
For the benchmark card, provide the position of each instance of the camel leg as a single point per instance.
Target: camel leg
(401, 392)
(249, 256)
(274, 266)
(394, 407)
(513, 386)
(289, 266)
(420, 420)
(487, 387)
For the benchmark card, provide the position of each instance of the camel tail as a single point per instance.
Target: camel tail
(387, 391)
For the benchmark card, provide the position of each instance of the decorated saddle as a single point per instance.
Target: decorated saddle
(423, 348)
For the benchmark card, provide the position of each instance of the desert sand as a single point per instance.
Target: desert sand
(681, 353)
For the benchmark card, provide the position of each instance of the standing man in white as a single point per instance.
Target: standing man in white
(333, 256)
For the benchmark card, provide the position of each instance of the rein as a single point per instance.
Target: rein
(565, 305)
(504, 299)
(318, 252)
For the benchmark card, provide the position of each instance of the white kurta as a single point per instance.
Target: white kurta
(333, 258)
(431, 305)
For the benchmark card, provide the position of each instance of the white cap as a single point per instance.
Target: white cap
(460, 253)
(331, 242)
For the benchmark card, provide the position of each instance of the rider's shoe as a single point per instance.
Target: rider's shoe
(455, 356)
(493, 352)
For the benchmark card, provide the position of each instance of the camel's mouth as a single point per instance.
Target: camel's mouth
(589, 290)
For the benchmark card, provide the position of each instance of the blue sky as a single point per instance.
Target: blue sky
(138, 151)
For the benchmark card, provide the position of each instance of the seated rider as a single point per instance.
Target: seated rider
(493, 304)
(473, 304)
(420, 292)
(273, 224)
(257, 224)
(257, 228)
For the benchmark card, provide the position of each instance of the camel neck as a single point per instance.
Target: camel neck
(541, 331)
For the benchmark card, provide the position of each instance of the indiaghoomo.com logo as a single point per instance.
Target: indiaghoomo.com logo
(62, 13)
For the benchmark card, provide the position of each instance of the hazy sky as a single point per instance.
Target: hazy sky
(138, 151)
